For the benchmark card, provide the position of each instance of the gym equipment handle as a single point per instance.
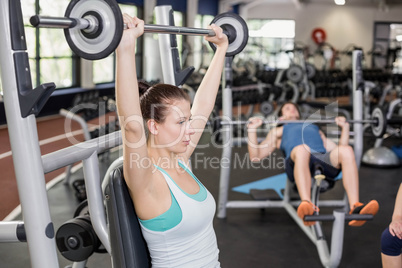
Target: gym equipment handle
(58, 22)
(348, 217)
(63, 22)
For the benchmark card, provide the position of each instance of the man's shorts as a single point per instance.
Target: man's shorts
(323, 160)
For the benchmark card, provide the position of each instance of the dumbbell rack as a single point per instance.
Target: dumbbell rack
(381, 156)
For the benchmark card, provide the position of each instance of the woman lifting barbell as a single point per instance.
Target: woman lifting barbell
(175, 210)
(304, 145)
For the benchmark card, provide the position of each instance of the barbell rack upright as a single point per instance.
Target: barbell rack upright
(38, 226)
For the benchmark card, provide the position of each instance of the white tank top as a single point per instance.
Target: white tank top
(191, 243)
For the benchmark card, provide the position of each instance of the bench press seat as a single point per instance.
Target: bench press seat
(129, 249)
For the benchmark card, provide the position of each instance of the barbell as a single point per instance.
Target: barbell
(93, 28)
(378, 122)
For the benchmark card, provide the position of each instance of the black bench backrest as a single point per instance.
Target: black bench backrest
(129, 249)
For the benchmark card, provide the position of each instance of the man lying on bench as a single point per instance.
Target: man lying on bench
(303, 146)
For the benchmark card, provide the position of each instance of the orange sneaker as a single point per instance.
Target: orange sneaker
(360, 208)
(307, 208)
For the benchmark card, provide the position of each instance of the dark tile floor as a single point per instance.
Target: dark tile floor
(254, 237)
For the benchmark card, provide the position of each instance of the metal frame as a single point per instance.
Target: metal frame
(328, 258)
(278, 82)
(87, 136)
(27, 158)
(171, 67)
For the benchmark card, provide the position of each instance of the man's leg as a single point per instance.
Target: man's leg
(344, 157)
(300, 155)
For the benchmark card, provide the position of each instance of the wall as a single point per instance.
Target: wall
(344, 25)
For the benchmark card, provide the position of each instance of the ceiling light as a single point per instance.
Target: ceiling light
(340, 2)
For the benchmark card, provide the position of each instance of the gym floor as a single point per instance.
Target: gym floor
(250, 237)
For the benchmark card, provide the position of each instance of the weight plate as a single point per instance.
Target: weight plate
(76, 240)
(82, 209)
(236, 28)
(266, 108)
(294, 73)
(381, 126)
(310, 70)
(103, 40)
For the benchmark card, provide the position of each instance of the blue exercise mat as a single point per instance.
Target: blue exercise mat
(276, 183)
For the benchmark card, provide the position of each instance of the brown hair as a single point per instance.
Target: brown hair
(154, 100)
(280, 113)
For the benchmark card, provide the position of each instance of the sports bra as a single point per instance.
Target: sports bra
(173, 215)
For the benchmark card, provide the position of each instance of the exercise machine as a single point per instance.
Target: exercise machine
(329, 257)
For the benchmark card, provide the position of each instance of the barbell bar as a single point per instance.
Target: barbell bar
(93, 28)
(88, 24)
(281, 122)
(378, 122)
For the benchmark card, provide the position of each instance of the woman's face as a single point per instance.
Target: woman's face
(175, 132)
(290, 112)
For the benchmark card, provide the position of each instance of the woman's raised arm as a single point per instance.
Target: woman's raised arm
(205, 97)
(128, 107)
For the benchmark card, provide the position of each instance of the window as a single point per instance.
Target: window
(268, 39)
(396, 39)
(51, 58)
(386, 51)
